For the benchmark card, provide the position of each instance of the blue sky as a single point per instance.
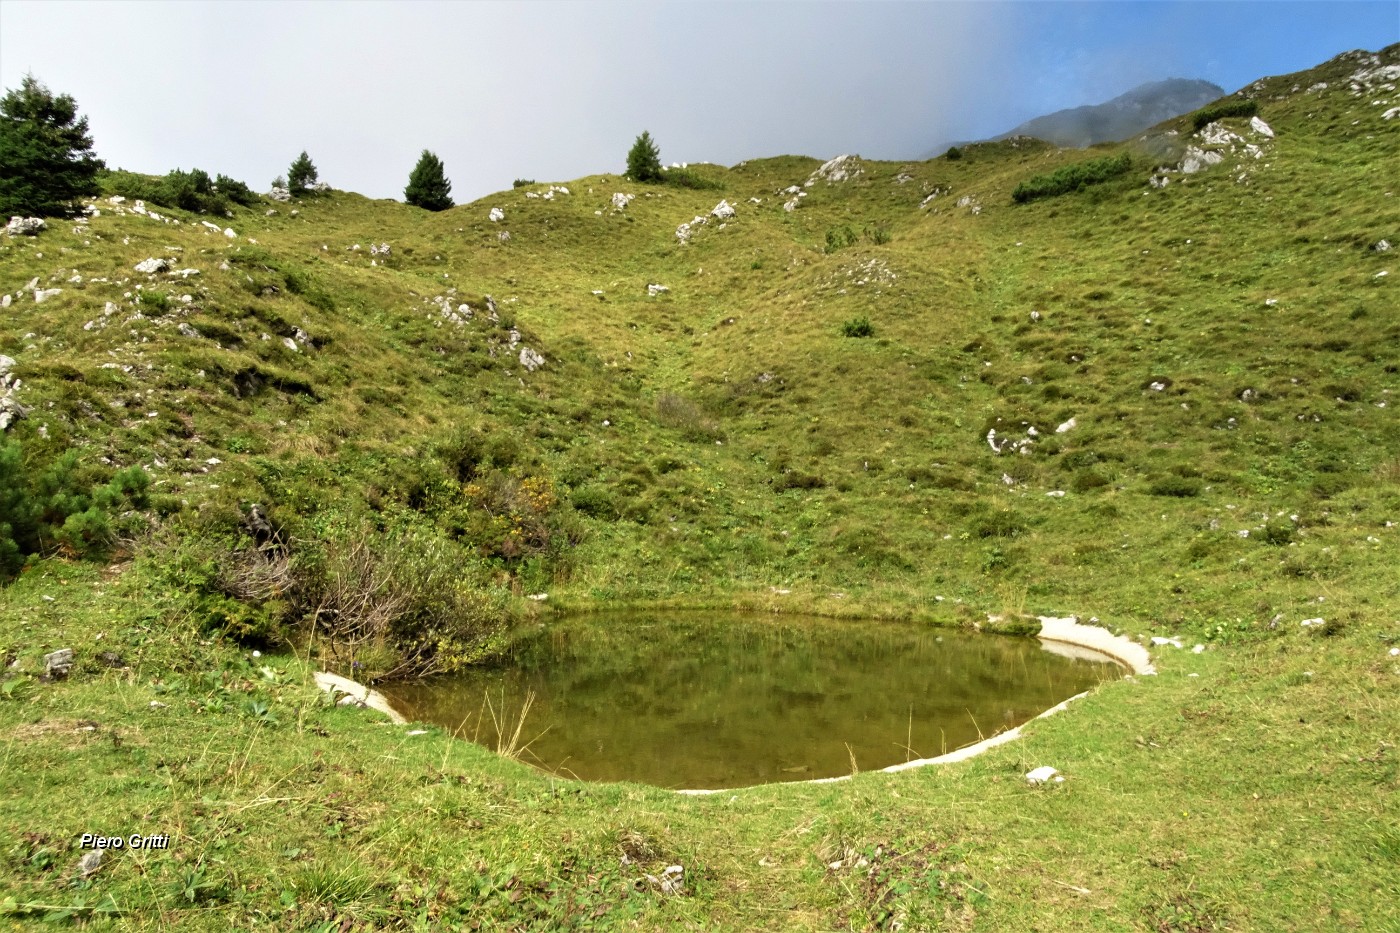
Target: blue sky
(553, 91)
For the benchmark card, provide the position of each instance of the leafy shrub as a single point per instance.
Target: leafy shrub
(1086, 479)
(65, 506)
(192, 191)
(236, 191)
(685, 178)
(839, 238)
(1002, 524)
(953, 154)
(858, 327)
(880, 235)
(522, 182)
(1071, 178)
(594, 501)
(795, 479)
(1181, 487)
(1230, 108)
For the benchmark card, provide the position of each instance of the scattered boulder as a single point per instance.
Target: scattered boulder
(530, 359)
(58, 663)
(1043, 774)
(1382, 246)
(1197, 159)
(280, 194)
(152, 266)
(654, 290)
(620, 200)
(187, 330)
(723, 211)
(496, 215)
(6, 364)
(1066, 426)
(25, 226)
(842, 168)
(1260, 127)
(43, 294)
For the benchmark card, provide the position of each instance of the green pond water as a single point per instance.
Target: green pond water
(689, 700)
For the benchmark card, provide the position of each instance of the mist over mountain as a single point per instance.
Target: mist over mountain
(1144, 106)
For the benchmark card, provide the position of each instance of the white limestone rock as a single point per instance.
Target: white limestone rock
(152, 266)
(1197, 159)
(530, 359)
(1260, 127)
(842, 168)
(1043, 774)
(496, 215)
(25, 226)
(723, 211)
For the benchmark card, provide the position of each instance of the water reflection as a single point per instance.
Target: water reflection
(723, 700)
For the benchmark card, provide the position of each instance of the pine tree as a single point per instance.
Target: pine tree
(46, 159)
(428, 187)
(644, 159)
(302, 174)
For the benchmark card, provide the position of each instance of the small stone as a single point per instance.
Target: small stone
(654, 290)
(58, 663)
(90, 863)
(1041, 775)
(1309, 623)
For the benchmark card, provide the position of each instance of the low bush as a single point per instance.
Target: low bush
(685, 178)
(1230, 108)
(1071, 178)
(522, 183)
(192, 191)
(858, 327)
(1180, 487)
(65, 506)
(953, 154)
(840, 238)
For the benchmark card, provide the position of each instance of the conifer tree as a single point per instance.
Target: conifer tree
(644, 159)
(302, 174)
(428, 186)
(46, 159)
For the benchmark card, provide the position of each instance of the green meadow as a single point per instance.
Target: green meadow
(1170, 409)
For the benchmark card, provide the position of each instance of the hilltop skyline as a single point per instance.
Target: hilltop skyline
(553, 92)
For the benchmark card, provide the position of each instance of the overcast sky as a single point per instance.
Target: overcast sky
(553, 91)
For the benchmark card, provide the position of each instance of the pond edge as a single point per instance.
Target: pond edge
(1064, 631)
(1067, 631)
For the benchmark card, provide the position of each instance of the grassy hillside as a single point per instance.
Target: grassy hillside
(1172, 408)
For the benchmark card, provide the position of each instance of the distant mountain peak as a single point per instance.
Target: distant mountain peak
(1125, 115)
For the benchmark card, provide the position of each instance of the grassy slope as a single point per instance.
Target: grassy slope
(1256, 795)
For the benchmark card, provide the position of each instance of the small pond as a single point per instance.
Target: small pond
(703, 700)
